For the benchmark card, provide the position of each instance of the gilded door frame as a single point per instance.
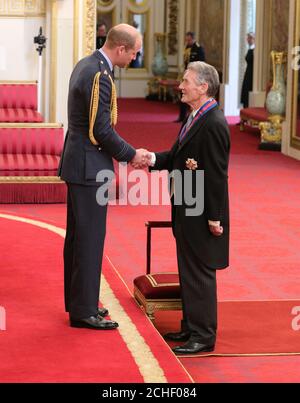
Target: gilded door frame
(89, 30)
(295, 140)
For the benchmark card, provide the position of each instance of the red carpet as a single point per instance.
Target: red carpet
(247, 328)
(265, 230)
(39, 346)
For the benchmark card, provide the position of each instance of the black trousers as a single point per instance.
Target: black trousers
(83, 250)
(199, 295)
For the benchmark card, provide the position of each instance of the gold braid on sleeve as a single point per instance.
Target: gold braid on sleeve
(94, 104)
(94, 107)
(113, 104)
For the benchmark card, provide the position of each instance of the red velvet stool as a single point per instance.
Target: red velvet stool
(157, 291)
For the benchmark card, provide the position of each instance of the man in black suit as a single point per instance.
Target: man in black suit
(90, 145)
(202, 240)
(248, 77)
(193, 53)
(101, 35)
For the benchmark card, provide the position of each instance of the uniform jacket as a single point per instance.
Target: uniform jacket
(196, 54)
(81, 160)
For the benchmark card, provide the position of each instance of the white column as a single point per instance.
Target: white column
(40, 83)
(229, 92)
(60, 46)
(261, 67)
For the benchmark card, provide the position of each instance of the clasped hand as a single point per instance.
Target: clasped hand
(142, 159)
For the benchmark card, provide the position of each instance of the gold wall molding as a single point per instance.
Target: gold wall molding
(173, 10)
(89, 26)
(22, 8)
(105, 3)
(295, 113)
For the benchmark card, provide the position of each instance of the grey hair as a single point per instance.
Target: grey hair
(206, 74)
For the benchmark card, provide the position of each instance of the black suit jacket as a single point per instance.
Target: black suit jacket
(81, 160)
(248, 78)
(208, 143)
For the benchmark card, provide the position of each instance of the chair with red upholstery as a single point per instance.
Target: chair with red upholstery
(251, 117)
(157, 291)
(29, 159)
(18, 102)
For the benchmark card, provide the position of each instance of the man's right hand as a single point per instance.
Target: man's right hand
(142, 158)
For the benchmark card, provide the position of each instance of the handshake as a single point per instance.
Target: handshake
(142, 159)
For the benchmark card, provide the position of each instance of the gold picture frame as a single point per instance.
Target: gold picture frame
(295, 118)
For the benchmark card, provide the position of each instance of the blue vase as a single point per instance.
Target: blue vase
(276, 99)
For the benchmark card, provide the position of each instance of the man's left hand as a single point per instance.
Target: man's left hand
(216, 230)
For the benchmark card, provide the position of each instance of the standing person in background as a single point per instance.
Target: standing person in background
(248, 77)
(101, 35)
(193, 53)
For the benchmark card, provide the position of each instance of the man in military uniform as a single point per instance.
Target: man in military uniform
(193, 53)
(90, 146)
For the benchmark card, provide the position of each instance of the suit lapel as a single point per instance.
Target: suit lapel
(194, 130)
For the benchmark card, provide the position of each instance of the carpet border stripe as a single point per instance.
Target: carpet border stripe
(123, 281)
(143, 356)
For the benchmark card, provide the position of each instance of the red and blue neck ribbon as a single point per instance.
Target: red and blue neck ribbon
(210, 104)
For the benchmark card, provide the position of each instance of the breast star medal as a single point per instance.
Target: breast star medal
(191, 164)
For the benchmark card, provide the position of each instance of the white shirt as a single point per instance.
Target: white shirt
(107, 59)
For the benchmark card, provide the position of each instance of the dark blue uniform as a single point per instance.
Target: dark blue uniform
(80, 163)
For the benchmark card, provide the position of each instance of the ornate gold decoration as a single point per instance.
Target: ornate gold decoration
(187, 55)
(22, 8)
(155, 283)
(30, 179)
(17, 82)
(89, 26)
(295, 95)
(94, 104)
(5, 125)
(271, 131)
(140, 4)
(152, 305)
(173, 27)
(105, 3)
(191, 164)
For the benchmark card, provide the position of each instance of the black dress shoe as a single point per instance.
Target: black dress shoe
(179, 336)
(102, 312)
(192, 347)
(94, 322)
